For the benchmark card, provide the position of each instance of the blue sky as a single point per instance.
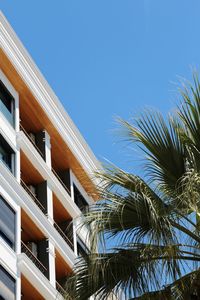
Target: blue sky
(110, 58)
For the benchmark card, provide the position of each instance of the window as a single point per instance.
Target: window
(7, 223)
(6, 104)
(6, 154)
(7, 285)
(80, 200)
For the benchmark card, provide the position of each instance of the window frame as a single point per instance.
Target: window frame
(13, 155)
(14, 94)
(9, 275)
(5, 238)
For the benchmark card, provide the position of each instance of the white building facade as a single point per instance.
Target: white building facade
(45, 180)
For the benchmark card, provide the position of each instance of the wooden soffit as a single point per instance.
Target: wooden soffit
(34, 118)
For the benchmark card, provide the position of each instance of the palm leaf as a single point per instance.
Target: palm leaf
(160, 141)
(154, 222)
(134, 269)
(185, 288)
(133, 209)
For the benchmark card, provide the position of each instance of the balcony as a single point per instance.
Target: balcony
(33, 140)
(33, 183)
(64, 235)
(63, 222)
(34, 244)
(60, 289)
(35, 260)
(61, 180)
(62, 272)
(80, 200)
(33, 197)
(28, 291)
(67, 239)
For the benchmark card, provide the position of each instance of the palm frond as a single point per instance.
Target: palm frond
(161, 143)
(157, 223)
(134, 270)
(189, 113)
(186, 287)
(132, 208)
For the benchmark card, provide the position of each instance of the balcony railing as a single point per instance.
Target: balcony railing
(30, 139)
(33, 197)
(61, 181)
(37, 202)
(60, 289)
(33, 258)
(64, 236)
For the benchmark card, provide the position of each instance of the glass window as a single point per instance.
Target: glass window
(7, 285)
(6, 104)
(7, 223)
(80, 200)
(6, 154)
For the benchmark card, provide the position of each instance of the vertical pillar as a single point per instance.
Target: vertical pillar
(17, 128)
(17, 165)
(51, 247)
(75, 238)
(18, 285)
(50, 204)
(18, 231)
(16, 113)
(52, 264)
(47, 148)
(17, 168)
(18, 251)
(74, 225)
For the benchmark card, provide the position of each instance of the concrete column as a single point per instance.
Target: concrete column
(18, 286)
(18, 251)
(75, 238)
(17, 128)
(47, 148)
(71, 184)
(52, 264)
(18, 231)
(74, 221)
(50, 204)
(17, 165)
(16, 108)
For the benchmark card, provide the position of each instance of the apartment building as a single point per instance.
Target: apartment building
(45, 179)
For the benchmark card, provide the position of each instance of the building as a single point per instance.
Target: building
(45, 179)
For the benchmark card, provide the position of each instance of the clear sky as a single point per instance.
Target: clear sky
(109, 58)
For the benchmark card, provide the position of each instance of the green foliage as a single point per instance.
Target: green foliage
(155, 223)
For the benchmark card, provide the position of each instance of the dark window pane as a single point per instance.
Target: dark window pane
(6, 103)
(7, 285)
(80, 200)
(7, 223)
(6, 153)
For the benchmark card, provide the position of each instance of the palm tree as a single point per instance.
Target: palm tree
(154, 222)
